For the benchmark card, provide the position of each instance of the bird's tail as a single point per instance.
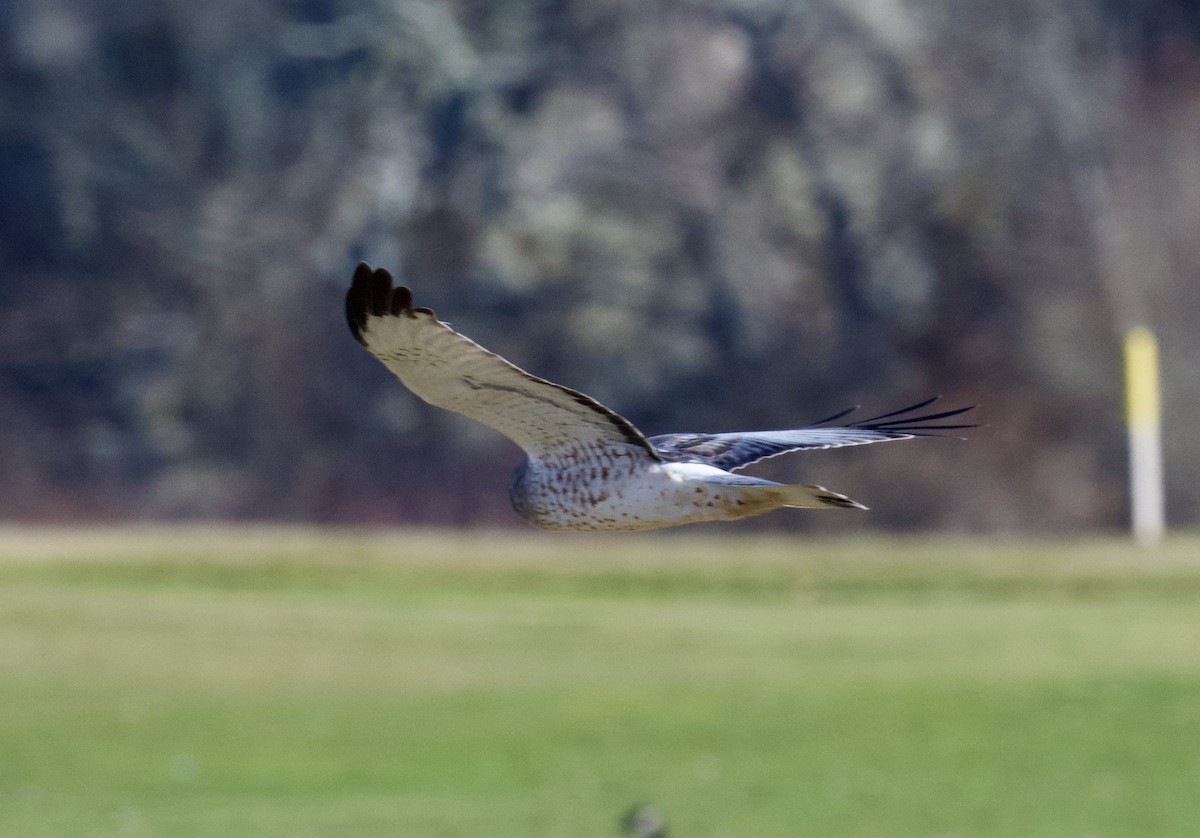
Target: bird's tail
(754, 496)
(811, 496)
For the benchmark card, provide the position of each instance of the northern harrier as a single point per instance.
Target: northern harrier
(586, 467)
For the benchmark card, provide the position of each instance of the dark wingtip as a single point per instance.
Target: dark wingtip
(902, 421)
(371, 295)
(356, 301)
(839, 415)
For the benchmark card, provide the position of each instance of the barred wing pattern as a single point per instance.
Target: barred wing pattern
(453, 372)
(732, 451)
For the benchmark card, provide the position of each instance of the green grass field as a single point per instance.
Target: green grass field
(225, 682)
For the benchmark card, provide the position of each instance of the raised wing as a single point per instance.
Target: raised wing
(737, 450)
(453, 372)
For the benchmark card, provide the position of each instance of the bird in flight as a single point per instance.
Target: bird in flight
(586, 467)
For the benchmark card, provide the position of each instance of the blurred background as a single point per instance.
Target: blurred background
(734, 214)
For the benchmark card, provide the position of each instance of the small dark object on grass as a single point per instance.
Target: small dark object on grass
(644, 821)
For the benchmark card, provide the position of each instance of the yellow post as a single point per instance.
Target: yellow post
(1143, 410)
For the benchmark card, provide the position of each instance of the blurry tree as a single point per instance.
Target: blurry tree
(708, 215)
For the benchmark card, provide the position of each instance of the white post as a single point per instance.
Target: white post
(1143, 407)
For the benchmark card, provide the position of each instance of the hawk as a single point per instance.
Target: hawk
(586, 467)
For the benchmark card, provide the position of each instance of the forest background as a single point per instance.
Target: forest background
(721, 215)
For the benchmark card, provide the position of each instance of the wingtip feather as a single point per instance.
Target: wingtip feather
(902, 421)
(372, 294)
(357, 300)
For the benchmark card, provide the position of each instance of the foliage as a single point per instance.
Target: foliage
(711, 216)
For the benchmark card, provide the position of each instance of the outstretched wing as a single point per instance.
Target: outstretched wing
(737, 450)
(453, 372)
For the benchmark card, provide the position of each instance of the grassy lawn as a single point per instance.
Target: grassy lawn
(226, 682)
